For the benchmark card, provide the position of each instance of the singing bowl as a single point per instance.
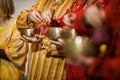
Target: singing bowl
(29, 32)
(53, 33)
(79, 46)
(68, 35)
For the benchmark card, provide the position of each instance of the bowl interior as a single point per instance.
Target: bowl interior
(68, 35)
(53, 33)
(79, 46)
(30, 32)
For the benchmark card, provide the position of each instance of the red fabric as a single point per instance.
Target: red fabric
(104, 69)
(75, 72)
(112, 13)
(113, 22)
(75, 7)
(79, 26)
(108, 68)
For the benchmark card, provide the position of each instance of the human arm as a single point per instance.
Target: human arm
(22, 19)
(13, 46)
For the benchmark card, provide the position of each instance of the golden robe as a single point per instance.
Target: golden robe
(43, 5)
(15, 50)
(42, 67)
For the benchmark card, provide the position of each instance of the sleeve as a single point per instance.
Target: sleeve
(22, 17)
(60, 20)
(113, 69)
(80, 25)
(14, 47)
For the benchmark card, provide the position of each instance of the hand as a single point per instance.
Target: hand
(37, 38)
(60, 42)
(48, 15)
(35, 17)
(68, 18)
(94, 16)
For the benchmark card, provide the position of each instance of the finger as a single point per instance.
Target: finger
(35, 16)
(73, 17)
(28, 38)
(61, 41)
(93, 18)
(32, 18)
(39, 40)
(67, 17)
(51, 14)
(36, 40)
(48, 18)
(56, 42)
(39, 16)
(36, 35)
(44, 16)
(67, 22)
(23, 39)
(41, 36)
(32, 40)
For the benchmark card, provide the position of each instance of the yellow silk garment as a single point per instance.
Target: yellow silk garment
(41, 67)
(15, 50)
(8, 71)
(43, 5)
(1, 28)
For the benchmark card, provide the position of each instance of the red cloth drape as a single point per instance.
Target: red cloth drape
(106, 68)
(75, 72)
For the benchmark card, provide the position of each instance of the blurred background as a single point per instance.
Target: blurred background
(22, 4)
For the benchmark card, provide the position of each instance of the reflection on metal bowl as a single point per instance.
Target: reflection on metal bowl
(79, 46)
(68, 35)
(29, 32)
(53, 33)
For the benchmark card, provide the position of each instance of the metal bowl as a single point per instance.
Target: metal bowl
(68, 35)
(29, 32)
(53, 33)
(79, 46)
